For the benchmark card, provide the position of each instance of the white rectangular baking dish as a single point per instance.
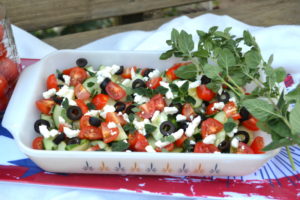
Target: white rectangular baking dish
(21, 115)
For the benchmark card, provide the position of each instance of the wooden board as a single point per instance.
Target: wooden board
(255, 12)
(36, 14)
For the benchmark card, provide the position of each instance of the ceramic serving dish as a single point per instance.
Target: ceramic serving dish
(21, 115)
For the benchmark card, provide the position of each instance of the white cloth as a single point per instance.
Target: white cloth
(283, 41)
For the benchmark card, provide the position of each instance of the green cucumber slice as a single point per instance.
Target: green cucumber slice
(193, 93)
(220, 137)
(122, 135)
(221, 117)
(60, 111)
(61, 146)
(157, 122)
(49, 119)
(49, 144)
(91, 85)
(84, 145)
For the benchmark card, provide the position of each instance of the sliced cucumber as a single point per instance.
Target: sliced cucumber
(100, 143)
(151, 141)
(220, 137)
(193, 93)
(251, 134)
(221, 117)
(61, 146)
(157, 122)
(60, 111)
(122, 135)
(84, 145)
(49, 144)
(49, 119)
(76, 124)
(91, 85)
(177, 150)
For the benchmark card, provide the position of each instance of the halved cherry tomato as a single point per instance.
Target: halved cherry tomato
(159, 102)
(147, 110)
(9, 69)
(100, 100)
(201, 147)
(3, 103)
(205, 93)
(3, 51)
(3, 86)
(115, 91)
(84, 121)
(209, 109)
(210, 126)
(1, 32)
(169, 148)
(114, 117)
(231, 110)
(61, 127)
(188, 111)
(154, 83)
(93, 148)
(82, 106)
(78, 75)
(127, 72)
(137, 141)
(181, 140)
(45, 105)
(52, 82)
(90, 133)
(251, 124)
(37, 143)
(81, 92)
(258, 144)
(68, 71)
(109, 134)
(244, 149)
(170, 73)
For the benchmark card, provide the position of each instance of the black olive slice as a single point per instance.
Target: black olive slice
(104, 83)
(74, 140)
(205, 80)
(95, 121)
(74, 113)
(244, 114)
(59, 138)
(167, 128)
(138, 83)
(224, 97)
(129, 109)
(147, 72)
(81, 62)
(120, 71)
(242, 136)
(120, 106)
(40, 122)
(224, 146)
(57, 99)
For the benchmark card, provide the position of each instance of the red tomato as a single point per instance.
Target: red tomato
(201, 147)
(82, 106)
(81, 92)
(170, 73)
(258, 144)
(100, 101)
(154, 83)
(115, 91)
(169, 148)
(209, 110)
(84, 121)
(3, 51)
(244, 149)
(93, 148)
(1, 32)
(251, 124)
(147, 110)
(3, 103)
(127, 72)
(52, 82)
(137, 141)
(210, 126)
(181, 140)
(45, 105)
(109, 134)
(188, 111)
(3, 86)
(37, 143)
(61, 127)
(78, 75)
(114, 117)
(9, 69)
(231, 110)
(204, 93)
(68, 71)
(90, 133)
(159, 102)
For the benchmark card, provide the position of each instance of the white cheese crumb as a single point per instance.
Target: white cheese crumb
(179, 83)
(176, 135)
(71, 133)
(170, 110)
(68, 93)
(133, 74)
(46, 133)
(210, 139)
(194, 84)
(235, 143)
(128, 151)
(150, 149)
(155, 115)
(234, 130)
(218, 106)
(217, 152)
(125, 141)
(140, 125)
(93, 113)
(49, 93)
(106, 109)
(111, 125)
(192, 126)
(125, 117)
(139, 99)
(220, 90)
(180, 117)
(67, 79)
(192, 142)
(232, 99)
(103, 73)
(169, 94)
(114, 69)
(126, 82)
(155, 73)
(113, 132)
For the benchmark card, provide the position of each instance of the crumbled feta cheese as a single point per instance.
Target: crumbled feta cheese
(140, 125)
(128, 151)
(176, 135)
(234, 130)
(93, 113)
(150, 149)
(114, 69)
(145, 79)
(126, 82)
(139, 99)
(106, 109)
(155, 73)
(46, 133)
(61, 120)
(125, 117)
(192, 142)
(217, 152)
(179, 83)
(220, 90)
(66, 92)
(133, 74)
(170, 110)
(210, 139)
(218, 106)
(67, 79)
(192, 126)
(111, 125)
(125, 141)
(71, 133)
(49, 93)
(155, 115)
(235, 143)
(105, 72)
(72, 102)
(194, 84)
(180, 117)
(169, 94)
(113, 132)
(232, 99)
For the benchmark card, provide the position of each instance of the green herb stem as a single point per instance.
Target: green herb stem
(290, 157)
